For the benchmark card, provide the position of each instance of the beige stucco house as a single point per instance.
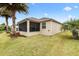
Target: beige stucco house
(33, 26)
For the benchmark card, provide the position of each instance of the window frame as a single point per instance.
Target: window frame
(43, 25)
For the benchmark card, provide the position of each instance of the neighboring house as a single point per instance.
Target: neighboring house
(33, 26)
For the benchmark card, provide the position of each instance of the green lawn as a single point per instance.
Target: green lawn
(59, 44)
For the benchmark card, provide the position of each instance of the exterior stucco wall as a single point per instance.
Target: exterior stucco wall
(51, 28)
(56, 28)
(47, 30)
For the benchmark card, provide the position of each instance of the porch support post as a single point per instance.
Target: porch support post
(28, 26)
(18, 26)
(40, 26)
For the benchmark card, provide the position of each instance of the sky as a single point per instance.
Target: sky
(59, 11)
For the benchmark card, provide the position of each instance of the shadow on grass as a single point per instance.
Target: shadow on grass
(68, 37)
(15, 36)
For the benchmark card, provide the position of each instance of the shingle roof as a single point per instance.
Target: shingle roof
(32, 19)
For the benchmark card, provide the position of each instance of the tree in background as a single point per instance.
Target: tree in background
(15, 7)
(69, 25)
(6, 14)
(2, 27)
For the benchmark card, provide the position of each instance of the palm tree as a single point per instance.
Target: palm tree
(15, 7)
(6, 14)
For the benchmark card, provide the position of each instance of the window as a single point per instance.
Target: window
(44, 25)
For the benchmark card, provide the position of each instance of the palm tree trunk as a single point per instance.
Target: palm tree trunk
(6, 25)
(13, 23)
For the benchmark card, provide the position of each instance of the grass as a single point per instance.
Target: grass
(39, 45)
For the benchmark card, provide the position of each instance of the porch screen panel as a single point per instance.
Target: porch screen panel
(34, 26)
(23, 27)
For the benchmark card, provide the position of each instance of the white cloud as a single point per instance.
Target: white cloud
(75, 6)
(45, 14)
(67, 8)
(70, 16)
